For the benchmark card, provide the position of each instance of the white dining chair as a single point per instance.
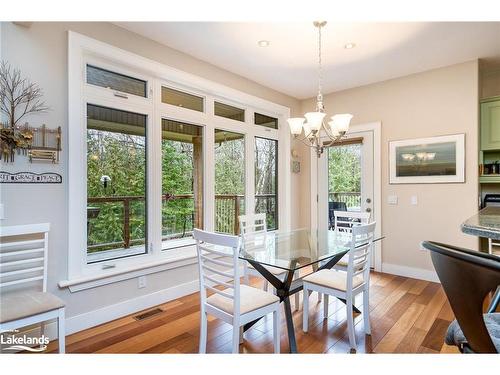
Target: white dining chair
(24, 300)
(348, 219)
(255, 224)
(345, 220)
(345, 284)
(235, 304)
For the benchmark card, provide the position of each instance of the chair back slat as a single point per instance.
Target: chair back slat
(218, 272)
(207, 259)
(252, 224)
(23, 256)
(345, 220)
(360, 253)
(211, 245)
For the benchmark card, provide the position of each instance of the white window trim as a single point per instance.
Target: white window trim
(83, 50)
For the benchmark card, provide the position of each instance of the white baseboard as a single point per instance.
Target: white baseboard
(105, 314)
(415, 273)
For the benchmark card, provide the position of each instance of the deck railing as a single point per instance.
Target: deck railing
(351, 199)
(128, 218)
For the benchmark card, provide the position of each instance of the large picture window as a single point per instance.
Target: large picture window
(229, 180)
(182, 179)
(154, 154)
(116, 183)
(266, 180)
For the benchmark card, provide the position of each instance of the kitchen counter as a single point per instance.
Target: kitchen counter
(485, 224)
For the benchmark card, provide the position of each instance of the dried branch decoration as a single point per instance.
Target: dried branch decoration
(18, 96)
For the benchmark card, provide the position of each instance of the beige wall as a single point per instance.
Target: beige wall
(490, 83)
(438, 102)
(442, 101)
(41, 53)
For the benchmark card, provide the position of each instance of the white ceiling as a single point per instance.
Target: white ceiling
(288, 65)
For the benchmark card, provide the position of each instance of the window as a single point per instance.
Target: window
(182, 179)
(229, 180)
(116, 183)
(228, 111)
(181, 99)
(267, 121)
(145, 171)
(266, 180)
(115, 81)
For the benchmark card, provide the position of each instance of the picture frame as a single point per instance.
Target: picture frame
(431, 160)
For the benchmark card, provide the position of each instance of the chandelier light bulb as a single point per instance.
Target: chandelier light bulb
(333, 129)
(315, 120)
(342, 122)
(307, 131)
(296, 124)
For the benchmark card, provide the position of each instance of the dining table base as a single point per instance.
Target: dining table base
(286, 288)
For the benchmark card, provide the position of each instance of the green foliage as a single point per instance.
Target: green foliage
(122, 158)
(344, 168)
(230, 167)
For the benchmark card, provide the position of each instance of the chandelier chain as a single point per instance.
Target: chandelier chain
(320, 70)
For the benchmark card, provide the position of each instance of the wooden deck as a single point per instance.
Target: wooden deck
(407, 316)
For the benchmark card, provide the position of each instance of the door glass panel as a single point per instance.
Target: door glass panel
(181, 99)
(116, 81)
(229, 180)
(116, 183)
(344, 179)
(266, 180)
(182, 181)
(228, 111)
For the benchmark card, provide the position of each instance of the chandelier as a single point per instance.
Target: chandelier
(311, 129)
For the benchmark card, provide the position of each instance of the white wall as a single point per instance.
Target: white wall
(437, 102)
(40, 51)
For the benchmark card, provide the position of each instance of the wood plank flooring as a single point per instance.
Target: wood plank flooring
(407, 316)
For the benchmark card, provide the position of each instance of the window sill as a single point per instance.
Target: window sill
(116, 275)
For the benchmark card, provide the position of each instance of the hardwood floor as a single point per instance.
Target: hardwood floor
(407, 316)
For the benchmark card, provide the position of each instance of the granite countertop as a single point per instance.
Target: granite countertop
(485, 224)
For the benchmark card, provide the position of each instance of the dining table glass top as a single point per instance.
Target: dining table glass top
(295, 249)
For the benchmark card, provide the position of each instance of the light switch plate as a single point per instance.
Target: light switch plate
(141, 282)
(392, 199)
(414, 200)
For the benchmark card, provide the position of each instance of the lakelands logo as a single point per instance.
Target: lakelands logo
(9, 342)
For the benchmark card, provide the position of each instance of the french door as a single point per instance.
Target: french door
(346, 178)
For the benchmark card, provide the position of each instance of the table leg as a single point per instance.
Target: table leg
(289, 326)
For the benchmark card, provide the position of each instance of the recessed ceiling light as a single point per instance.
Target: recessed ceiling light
(350, 45)
(263, 43)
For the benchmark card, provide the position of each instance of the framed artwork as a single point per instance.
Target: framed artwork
(427, 160)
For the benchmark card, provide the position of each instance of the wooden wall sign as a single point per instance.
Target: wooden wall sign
(30, 178)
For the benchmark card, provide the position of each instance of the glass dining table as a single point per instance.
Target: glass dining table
(292, 251)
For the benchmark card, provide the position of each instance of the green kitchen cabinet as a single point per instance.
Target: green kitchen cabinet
(490, 124)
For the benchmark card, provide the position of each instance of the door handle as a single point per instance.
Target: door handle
(368, 200)
(368, 209)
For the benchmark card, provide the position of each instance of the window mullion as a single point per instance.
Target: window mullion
(155, 176)
(250, 165)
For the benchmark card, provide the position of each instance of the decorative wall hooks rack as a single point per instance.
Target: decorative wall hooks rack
(38, 143)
